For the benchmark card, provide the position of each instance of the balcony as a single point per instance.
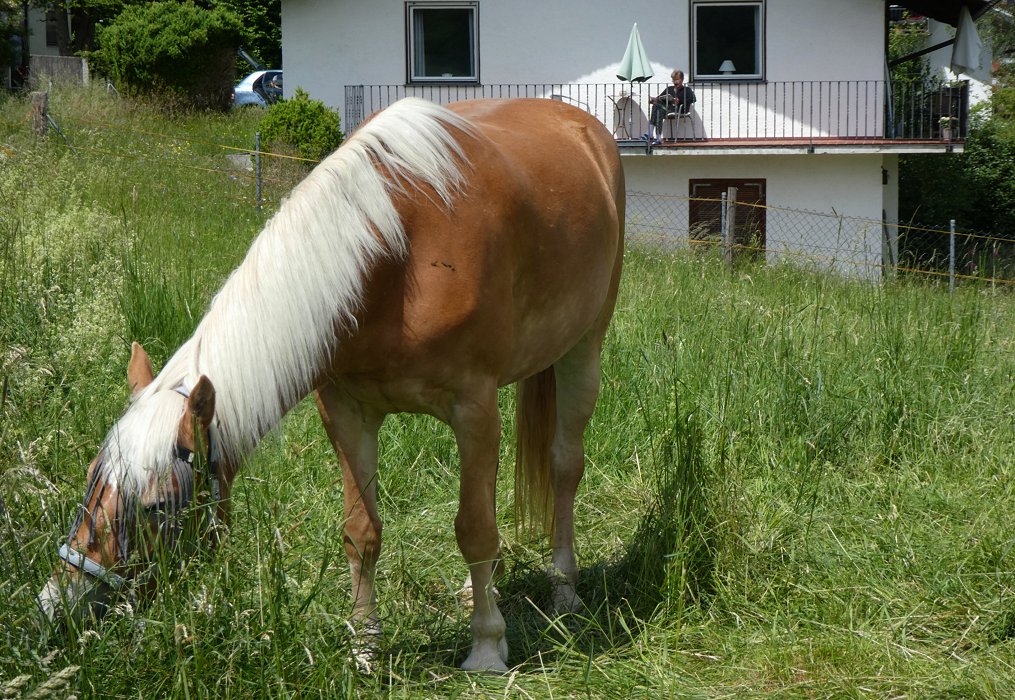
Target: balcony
(796, 114)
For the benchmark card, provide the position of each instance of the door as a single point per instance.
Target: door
(706, 214)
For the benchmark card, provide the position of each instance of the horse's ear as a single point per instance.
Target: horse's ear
(139, 369)
(202, 401)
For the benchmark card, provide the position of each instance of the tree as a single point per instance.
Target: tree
(172, 49)
(10, 27)
(261, 22)
(262, 28)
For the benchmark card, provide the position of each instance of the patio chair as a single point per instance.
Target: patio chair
(677, 122)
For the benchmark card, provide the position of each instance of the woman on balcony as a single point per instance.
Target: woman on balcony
(676, 99)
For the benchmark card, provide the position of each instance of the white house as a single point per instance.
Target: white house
(794, 107)
(42, 30)
(42, 27)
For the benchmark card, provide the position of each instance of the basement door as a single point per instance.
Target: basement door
(706, 212)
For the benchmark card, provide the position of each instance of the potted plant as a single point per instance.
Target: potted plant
(947, 124)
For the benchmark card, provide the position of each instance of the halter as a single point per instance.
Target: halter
(91, 567)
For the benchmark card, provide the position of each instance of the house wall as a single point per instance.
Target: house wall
(328, 44)
(805, 196)
(37, 34)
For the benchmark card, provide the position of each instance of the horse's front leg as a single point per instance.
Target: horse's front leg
(352, 429)
(476, 422)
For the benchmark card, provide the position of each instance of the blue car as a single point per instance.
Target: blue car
(259, 89)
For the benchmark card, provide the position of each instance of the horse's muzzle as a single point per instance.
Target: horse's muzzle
(67, 597)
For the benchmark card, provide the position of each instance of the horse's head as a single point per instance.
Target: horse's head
(151, 491)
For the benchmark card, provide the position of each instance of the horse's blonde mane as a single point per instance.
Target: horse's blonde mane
(271, 327)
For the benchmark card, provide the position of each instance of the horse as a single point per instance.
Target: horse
(441, 252)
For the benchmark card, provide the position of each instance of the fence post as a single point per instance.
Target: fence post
(40, 110)
(257, 166)
(722, 225)
(729, 218)
(951, 256)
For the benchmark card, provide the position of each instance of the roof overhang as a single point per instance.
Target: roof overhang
(946, 10)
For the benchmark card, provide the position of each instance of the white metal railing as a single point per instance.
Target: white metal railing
(776, 110)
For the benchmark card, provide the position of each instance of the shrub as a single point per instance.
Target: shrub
(171, 49)
(303, 124)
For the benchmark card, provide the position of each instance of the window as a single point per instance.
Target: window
(52, 28)
(443, 41)
(728, 40)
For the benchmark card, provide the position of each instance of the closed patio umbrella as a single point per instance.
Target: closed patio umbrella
(634, 67)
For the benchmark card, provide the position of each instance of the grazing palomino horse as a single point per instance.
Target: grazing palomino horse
(438, 254)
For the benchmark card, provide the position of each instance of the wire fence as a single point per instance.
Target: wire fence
(847, 245)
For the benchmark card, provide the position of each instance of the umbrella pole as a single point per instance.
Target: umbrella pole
(629, 111)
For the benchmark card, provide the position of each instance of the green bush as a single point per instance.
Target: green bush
(171, 49)
(308, 126)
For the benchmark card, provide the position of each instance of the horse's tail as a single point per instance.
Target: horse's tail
(535, 418)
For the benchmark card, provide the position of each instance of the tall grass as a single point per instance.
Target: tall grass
(797, 485)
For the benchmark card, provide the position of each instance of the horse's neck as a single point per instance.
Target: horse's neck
(253, 390)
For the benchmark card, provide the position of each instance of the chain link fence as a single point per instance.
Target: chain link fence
(848, 245)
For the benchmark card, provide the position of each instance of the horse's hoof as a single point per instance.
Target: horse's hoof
(364, 643)
(484, 663)
(488, 659)
(566, 601)
(364, 659)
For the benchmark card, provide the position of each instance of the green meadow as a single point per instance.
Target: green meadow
(797, 485)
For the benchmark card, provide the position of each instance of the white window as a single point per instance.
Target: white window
(443, 41)
(728, 40)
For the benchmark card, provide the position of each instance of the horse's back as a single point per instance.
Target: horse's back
(523, 263)
(555, 171)
(552, 158)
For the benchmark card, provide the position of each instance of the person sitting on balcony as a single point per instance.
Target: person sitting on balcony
(675, 100)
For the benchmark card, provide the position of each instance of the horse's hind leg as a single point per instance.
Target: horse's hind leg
(476, 422)
(577, 376)
(352, 429)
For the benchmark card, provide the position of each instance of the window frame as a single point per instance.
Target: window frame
(53, 27)
(759, 76)
(411, 78)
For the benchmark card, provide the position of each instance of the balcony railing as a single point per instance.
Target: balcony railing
(861, 111)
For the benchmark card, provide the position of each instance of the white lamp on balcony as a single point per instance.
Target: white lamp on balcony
(727, 67)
